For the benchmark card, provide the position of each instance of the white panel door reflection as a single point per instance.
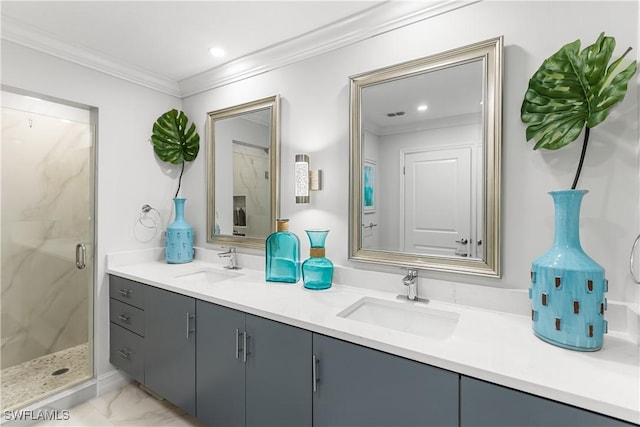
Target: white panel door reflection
(437, 202)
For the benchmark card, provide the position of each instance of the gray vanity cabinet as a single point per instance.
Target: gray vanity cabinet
(358, 386)
(230, 368)
(484, 404)
(170, 346)
(251, 371)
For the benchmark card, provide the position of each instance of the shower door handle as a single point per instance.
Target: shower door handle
(81, 256)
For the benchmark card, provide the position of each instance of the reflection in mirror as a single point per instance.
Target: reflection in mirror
(425, 162)
(242, 173)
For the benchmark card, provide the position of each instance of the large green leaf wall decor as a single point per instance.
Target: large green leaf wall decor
(174, 141)
(573, 89)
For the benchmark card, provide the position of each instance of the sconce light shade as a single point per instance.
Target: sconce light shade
(301, 173)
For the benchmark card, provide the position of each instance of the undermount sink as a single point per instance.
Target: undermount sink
(409, 317)
(208, 275)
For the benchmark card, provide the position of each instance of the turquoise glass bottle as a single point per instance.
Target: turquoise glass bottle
(317, 271)
(282, 255)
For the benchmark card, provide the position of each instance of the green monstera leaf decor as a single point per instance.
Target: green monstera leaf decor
(174, 141)
(573, 89)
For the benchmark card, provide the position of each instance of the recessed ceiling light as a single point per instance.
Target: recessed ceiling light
(422, 107)
(218, 52)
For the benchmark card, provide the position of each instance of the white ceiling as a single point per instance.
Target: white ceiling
(454, 91)
(164, 44)
(172, 38)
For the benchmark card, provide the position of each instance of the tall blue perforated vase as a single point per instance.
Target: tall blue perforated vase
(179, 248)
(567, 286)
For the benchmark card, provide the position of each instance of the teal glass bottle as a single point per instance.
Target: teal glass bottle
(282, 255)
(317, 271)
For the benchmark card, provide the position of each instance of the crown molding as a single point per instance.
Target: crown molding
(380, 19)
(24, 35)
(377, 20)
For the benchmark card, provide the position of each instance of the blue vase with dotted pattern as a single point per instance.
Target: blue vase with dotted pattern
(567, 286)
(179, 248)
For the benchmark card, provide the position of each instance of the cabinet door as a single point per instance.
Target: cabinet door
(170, 346)
(358, 386)
(490, 405)
(278, 373)
(220, 366)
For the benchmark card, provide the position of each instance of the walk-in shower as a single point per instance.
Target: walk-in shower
(47, 231)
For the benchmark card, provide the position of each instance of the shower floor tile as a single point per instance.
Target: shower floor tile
(24, 383)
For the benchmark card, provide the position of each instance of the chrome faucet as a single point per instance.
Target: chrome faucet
(411, 280)
(231, 254)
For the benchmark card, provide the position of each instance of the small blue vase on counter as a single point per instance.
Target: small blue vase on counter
(179, 249)
(567, 286)
(317, 271)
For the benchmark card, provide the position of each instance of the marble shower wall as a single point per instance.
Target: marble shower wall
(46, 195)
(251, 189)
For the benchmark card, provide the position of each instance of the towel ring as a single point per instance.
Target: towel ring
(144, 217)
(631, 260)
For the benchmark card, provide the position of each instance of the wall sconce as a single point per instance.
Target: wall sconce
(305, 179)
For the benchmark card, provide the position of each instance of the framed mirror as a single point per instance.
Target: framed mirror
(243, 173)
(425, 162)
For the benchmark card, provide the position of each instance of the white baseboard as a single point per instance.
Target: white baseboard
(111, 381)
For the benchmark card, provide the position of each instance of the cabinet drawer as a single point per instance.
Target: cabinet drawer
(126, 316)
(126, 290)
(127, 351)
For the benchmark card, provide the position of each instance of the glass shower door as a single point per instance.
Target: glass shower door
(47, 246)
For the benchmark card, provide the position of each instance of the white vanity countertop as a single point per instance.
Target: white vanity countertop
(490, 345)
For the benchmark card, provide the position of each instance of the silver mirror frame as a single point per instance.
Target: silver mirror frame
(272, 102)
(491, 52)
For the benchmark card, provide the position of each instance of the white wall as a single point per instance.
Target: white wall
(128, 174)
(315, 106)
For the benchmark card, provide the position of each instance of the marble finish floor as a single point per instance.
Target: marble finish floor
(128, 406)
(32, 380)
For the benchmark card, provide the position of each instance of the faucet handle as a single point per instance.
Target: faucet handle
(411, 275)
(231, 254)
(410, 278)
